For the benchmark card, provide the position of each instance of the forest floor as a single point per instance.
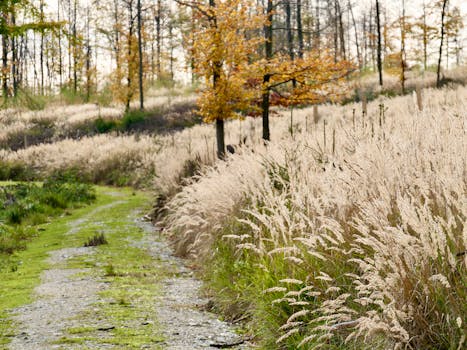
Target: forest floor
(130, 293)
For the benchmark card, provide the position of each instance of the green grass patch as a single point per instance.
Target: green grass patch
(21, 270)
(133, 276)
(24, 206)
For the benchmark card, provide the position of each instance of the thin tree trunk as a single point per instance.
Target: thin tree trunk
(140, 54)
(378, 50)
(341, 31)
(75, 51)
(267, 77)
(301, 45)
(5, 66)
(317, 28)
(41, 54)
(336, 29)
(60, 59)
(402, 78)
(158, 39)
(359, 56)
(14, 58)
(129, 58)
(288, 24)
(88, 58)
(438, 71)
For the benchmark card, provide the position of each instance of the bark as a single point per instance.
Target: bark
(341, 30)
(129, 56)
(402, 78)
(438, 71)
(88, 59)
(217, 66)
(158, 39)
(14, 58)
(140, 56)
(301, 45)
(317, 28)
(5, 66)
(60, 59)
(75, 51)
(268, 51)
(41, 54)
(288, 23)
(378, 49)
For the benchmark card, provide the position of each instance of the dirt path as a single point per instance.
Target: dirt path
(71, 304)
(180, 306)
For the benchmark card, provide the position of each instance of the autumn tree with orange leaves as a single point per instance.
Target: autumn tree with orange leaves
(224, 42)
(226, 56)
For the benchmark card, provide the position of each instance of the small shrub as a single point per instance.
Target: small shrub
(103, 126)
(97, 239)
(130, 119)
(110, 270)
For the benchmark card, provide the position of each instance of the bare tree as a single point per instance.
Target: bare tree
(438, 71)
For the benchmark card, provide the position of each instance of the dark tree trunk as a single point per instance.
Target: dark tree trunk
(341, 31)
(14, 58)
(288, 24)
(41, 54)
(378, 50)
(75, 51)
(402, 78)
(140, 56)
(438, 71)
(5, 66)
(60, 59)
(301, 45)
(268, 51)
(220, 138)
(217, 66)
(158, 39)
(129, 77)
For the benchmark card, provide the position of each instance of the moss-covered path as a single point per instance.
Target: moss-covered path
(130, 293)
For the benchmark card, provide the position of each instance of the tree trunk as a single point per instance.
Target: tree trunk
(14, 58)
(341, 31)
(288, 24)
(402, 77)
(5, 66)
(217, 66)
(140, 56)
(220, 138)
(359, 56)
(41, 54)
(75, 51)
(317, 28)
(158, 39)
(60, 59)
(438, 71)
(266, 78)
(301, 45)
(425, 39)
(129, 77)
(378, 52)
(88, 58)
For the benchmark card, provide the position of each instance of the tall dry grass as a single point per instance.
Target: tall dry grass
(62, 121)
(367, 221)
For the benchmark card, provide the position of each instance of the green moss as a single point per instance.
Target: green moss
(129, 301)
